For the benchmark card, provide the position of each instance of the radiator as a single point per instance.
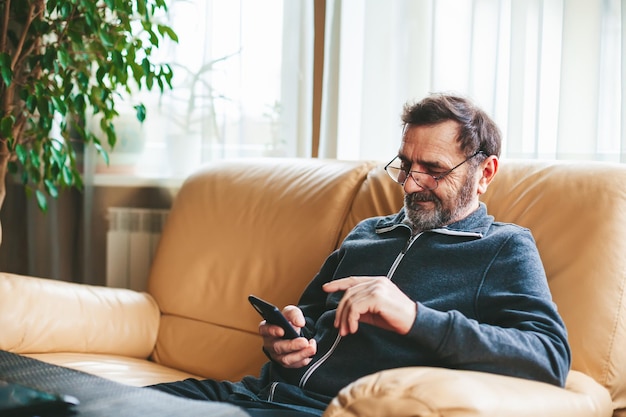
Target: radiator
(131, 241)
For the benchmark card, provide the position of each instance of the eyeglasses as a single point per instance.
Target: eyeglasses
(400, 173)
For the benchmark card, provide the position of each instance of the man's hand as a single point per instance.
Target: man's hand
(372, 300)
(294, 353)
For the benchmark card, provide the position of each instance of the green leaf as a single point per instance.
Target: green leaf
(79, 102)
(68, 87)
(141, 112)
(34, 173)
(58, 154)
(6, 126)
(5, 68)
(111, 136)
(52, 188)
(100, 73)
(68, 177)
(149, 81)
(50, 57)
(83, 81)
(22, 153)
(141, 7)
(51, 5)
(66, 11)
(166, 30)
(41, 201)
(42, 106)
(31, 103)
(137, 72)
(117, 59)
(145, 64)
(105, 37)
(59, 105)
(63, 57)
(34, 158)
(89, 19)
(102, 152)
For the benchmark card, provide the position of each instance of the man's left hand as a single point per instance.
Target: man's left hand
(372, 300)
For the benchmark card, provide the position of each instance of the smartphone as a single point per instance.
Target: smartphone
(20, 400)
(272, 315)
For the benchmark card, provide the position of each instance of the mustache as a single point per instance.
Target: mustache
(420, 197)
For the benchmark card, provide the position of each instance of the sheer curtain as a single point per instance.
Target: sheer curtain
(550, 72)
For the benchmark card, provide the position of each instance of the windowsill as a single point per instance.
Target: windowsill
(126, 176)
(131, 180)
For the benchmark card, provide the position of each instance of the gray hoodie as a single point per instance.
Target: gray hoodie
(482, 296)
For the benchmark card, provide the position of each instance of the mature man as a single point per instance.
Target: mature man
(437, 284)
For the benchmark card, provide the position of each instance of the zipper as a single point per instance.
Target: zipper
(319, 363)
(272, 390)
(400, 256)
(323, 359)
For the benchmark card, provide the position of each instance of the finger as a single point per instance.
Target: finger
(356, 302)
(270, 330)
(293, 354)
(300, 358)
(294, 315)
(341, 284)
(352, 307)
(280, 348)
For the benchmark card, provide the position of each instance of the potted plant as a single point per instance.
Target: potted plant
(60, 62)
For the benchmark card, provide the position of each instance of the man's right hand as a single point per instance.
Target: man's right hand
(294, 353)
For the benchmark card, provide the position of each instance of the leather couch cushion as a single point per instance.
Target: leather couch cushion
(263, 230)
(75, 318)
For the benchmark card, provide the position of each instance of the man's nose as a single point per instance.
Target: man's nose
(411, 186)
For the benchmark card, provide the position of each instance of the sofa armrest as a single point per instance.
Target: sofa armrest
(42, 315)
(424, 391)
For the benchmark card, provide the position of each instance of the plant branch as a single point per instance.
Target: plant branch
(20, 44)
(5, 26)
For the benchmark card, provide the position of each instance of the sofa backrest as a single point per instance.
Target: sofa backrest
(260, 227)
(266, 226)
(577, 214)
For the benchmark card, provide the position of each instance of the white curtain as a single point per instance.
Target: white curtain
(550, 72)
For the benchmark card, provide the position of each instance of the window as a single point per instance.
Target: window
(242, 88)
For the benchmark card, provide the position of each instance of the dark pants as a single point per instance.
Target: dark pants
(275, 399)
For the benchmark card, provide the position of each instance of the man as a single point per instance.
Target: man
(437, 284)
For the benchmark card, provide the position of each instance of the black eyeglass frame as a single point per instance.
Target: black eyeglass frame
(435, 177)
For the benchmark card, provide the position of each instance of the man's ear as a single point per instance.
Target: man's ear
(489, 168)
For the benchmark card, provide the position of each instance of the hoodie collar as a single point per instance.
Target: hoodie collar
(476, 224)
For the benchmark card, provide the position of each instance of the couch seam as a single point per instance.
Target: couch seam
(605, 371)
(367, 166)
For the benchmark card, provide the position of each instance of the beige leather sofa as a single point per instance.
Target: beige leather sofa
(265, 227)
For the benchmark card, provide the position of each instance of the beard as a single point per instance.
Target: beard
(443, 211)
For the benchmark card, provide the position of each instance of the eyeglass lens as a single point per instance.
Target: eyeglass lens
(400, 175)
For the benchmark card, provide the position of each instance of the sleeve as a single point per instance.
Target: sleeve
(518, 331)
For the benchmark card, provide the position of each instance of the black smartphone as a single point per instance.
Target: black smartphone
(272, 315)
(20, 400)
